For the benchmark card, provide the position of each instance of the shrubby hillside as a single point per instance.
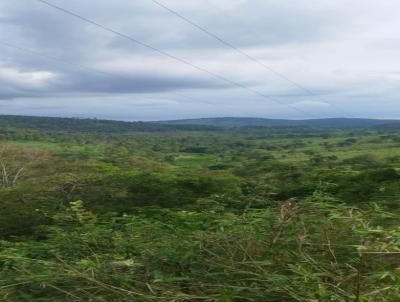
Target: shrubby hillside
(103, 211)
(90, 125)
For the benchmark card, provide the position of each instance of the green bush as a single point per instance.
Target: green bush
(306, 251)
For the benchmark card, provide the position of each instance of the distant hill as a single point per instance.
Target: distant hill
(203, 124)
(263, 122)
(92, 125)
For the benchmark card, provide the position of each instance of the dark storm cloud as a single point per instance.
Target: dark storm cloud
(139, 83)
(88, 82)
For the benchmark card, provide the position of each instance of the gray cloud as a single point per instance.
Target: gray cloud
(344, 51)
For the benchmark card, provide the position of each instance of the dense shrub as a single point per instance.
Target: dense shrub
(290, 252)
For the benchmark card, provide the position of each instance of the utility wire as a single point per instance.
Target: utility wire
(171, 56)
(240, 51)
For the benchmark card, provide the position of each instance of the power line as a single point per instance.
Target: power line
(240, 51)
(171, 56)
(88, 68)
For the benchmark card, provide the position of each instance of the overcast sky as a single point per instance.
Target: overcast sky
(344, 52)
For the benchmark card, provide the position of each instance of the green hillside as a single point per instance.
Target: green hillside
(115, 211)
(90, 125)
(204, 124)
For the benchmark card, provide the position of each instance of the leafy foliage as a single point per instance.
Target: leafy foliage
(290, 252)
(107, 212)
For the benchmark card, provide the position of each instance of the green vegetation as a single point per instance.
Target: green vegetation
(110, 211)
